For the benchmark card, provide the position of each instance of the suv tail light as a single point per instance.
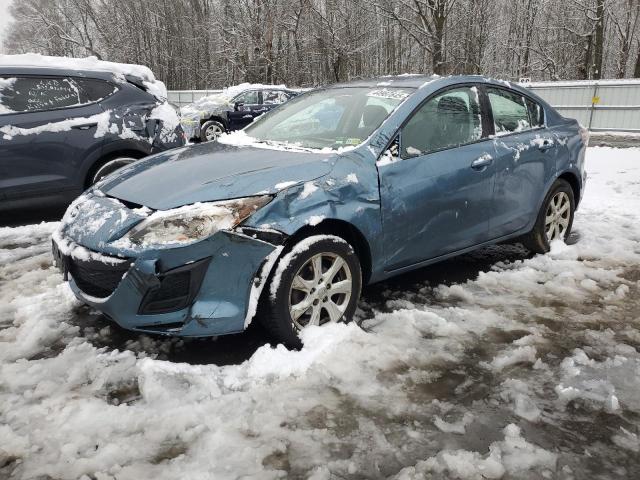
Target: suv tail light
(584, 133)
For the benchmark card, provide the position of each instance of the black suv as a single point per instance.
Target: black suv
(61, 130)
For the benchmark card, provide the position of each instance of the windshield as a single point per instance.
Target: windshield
(333, 118)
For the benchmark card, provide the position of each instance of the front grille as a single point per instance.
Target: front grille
(96, 278)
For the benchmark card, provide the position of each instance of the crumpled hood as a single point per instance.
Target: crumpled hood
(212, 171)
(93, 220)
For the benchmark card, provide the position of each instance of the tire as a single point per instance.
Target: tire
(109, 167)
(211, 130)
(552, 216)
(312, 289)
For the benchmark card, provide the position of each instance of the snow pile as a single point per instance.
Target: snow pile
(120, 70)
(511, 373)
(239, 138)
(514, 456)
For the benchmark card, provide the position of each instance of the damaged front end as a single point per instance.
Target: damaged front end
(190, 271)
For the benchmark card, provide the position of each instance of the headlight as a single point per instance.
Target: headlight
(192, 223)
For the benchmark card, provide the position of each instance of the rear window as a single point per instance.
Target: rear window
(32, 94)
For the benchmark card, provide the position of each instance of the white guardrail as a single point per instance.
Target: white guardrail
(600, 105)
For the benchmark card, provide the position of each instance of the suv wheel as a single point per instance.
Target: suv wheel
(316, 283)
(555, 218)
(211, 130)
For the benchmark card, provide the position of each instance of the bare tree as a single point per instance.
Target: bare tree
(214, 43)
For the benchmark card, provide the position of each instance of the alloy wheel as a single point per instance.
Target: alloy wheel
(212, 132)
(320, 291)
(558, 216)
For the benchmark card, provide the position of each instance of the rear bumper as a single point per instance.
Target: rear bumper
(205, 289)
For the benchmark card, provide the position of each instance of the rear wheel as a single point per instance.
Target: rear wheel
(211, 130)
(555, 218)
(318, 282)
(110, 167)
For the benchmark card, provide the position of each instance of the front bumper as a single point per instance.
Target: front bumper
(198, 290)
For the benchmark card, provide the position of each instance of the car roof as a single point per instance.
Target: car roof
(405, 80)
(65, 72)
(410, 80)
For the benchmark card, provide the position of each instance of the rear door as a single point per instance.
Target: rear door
(525, 158)
(436, 199)
(47, 126)
(246, 107)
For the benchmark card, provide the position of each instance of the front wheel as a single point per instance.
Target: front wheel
(211, 130)
(318, 282)
(555, 218)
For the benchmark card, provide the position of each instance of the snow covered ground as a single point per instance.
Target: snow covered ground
(530, 370)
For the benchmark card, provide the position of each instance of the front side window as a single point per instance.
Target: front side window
(510, 113)
(447, 120)
(329, 118)
(247, 98)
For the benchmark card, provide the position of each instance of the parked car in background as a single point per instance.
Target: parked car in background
(65, 123)
(340, 187)
(232, 109)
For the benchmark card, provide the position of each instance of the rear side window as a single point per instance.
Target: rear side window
(447, 120)
(510, 113)
(273, 97)
(536, 113)
(32, 94)
(94, 90)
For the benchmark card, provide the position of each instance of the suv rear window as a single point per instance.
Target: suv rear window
(94, 90)
(30, 94)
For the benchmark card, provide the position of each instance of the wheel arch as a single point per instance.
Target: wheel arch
(340, 228)
(215, 118)
(95, 166)
(572, 180)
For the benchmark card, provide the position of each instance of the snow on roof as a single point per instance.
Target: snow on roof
(120, 70)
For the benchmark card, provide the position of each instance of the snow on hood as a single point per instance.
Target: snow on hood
(120, 70)
(239, 138)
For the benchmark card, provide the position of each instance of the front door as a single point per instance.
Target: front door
(45, 133)
(246, 107)
(436, 199)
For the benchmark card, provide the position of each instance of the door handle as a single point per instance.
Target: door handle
(84, 126)
(545, 145)
(482, 162)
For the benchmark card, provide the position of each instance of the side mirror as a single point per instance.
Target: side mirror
(391, 154)
(152, 127)
(238, 106)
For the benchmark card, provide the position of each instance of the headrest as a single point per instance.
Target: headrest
(373, 115)
(452, 105)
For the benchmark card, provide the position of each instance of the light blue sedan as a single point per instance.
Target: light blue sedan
(286, 220)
